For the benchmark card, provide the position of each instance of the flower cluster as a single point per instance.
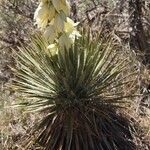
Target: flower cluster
(52, 17)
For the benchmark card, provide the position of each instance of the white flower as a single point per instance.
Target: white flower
(73, 35)
(70, 25)
(70, 29)
(69, 34)
(41, 15)
(61, 5)
(52, 49)
(50, 33)
(59, 23)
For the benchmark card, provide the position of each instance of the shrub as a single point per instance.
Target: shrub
(79, 91)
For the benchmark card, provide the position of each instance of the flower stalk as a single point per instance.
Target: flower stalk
(51, 17)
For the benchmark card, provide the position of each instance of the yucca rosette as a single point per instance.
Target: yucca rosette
(79, 93)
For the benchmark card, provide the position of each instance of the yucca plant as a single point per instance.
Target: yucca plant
(79, 91)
